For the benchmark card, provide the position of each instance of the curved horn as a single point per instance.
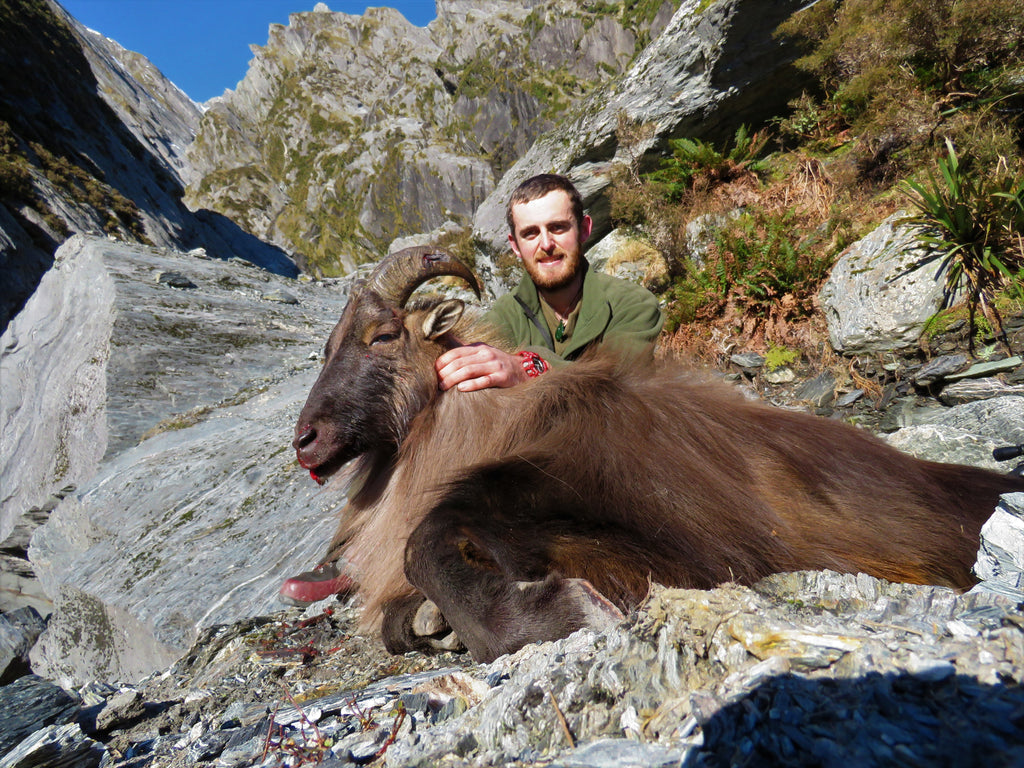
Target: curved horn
(401, 273)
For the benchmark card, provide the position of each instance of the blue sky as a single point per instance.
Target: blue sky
(202, 46)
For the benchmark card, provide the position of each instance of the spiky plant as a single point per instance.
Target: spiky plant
(974, 227)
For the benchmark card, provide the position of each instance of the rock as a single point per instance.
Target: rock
(875, 300)
(970, 390)
(747, 360)
(120, 710)
(190, 555)
(938, 369)
(19, 630)
(175, 280)
(28, 704)
(624, 254)
(1000, 563)
(87, 640)
(56, 746)
(987, 369)
(782, 375)
(965, 434)
(622, 753)
(53, 362)
(849, 398)
(819, 391)
(103, 353)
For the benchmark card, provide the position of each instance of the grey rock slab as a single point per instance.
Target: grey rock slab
(938, 369)
(103, 352)
(120, 709)
(819, 391)
(31, 703)
(850, 398)
(987, 368)
(875, 300)
(747, 360)
(970, 390)
(56, 746)
(621, 753)
(87, 640)
(53, 363)
(965, 434)
(196, 526)
(1000, 563)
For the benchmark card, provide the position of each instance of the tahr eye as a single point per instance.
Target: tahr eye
(383, 338)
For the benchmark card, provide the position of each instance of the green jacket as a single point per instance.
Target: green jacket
(613, 311)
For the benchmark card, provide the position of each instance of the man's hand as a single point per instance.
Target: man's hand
(477, 367)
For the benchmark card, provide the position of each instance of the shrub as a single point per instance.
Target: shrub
(698, 164)
(975, 225)
(755, 266)
(872, 54)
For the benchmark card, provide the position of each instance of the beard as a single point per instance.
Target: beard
(546, 281)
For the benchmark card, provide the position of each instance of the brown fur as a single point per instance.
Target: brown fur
(601, 472)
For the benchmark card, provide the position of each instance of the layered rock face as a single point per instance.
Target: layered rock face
(711, 70)
(120, 339)
(349, 131)
(93, 140)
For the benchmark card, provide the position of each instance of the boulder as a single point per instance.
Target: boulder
(875, 300)
(216, 374)
(87, 640)
(1000, 564)
(965, 434)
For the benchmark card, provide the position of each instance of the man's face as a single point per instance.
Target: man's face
(548, 239)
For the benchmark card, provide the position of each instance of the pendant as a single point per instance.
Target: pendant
(560, 332)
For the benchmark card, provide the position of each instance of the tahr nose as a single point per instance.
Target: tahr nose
(304, 438)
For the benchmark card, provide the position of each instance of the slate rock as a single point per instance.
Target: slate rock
(175, 280)
(819, 391)
(938, 369)
(987, 368)
(31, 703)
(747, 360)
(965, 434)
(970, 390)
(621, 753)
(120, 710)
(1000, 563)
(86, 639)
(56, 746)
(19, 630)
(875, 300)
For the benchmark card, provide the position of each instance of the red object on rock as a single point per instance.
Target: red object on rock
(315, 585)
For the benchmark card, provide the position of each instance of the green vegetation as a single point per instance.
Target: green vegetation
(974, 223)
(779, 357)
(698, 164)
(917, 101)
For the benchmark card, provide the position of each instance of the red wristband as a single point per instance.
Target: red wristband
(533, 364)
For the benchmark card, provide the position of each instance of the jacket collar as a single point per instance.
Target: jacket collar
(595, 312)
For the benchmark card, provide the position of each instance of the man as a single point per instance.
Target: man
(563, 309)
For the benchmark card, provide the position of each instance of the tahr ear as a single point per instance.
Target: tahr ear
(443, 318)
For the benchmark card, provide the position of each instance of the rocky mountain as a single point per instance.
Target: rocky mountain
(349, 131)
(93, 139)
(151, 504)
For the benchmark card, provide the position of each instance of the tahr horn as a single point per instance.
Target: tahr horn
(401, 273)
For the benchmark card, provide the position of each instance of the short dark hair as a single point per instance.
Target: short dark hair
(540, 185)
